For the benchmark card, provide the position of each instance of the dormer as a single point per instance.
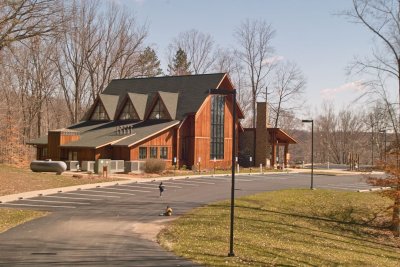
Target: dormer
(103, 108)
(133, 107)
(163, 107)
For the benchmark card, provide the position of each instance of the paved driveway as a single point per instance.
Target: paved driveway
(101, 226)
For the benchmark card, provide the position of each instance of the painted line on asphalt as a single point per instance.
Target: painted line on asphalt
(106, 192)
(54, 201)
(138, 186)
(129, 190)
(33, 205)
(92, 195)
(169, 185)
(196, 182)
(84, 198)
(179, 183)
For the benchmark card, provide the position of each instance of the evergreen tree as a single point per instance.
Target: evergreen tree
(180, 65)
(148, 63)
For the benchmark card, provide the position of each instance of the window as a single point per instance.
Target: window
(43, 153)
(217, 127)
(142, 152)
(153, 152)
(128, 113)
(99, 112)
(159, 111)
(163, 152)
(72, 155)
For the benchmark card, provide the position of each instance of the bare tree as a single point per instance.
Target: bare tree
(117, 48)
(77, 43)
(199, 48)
(382, 19)
(23, 19)
(254, 39)
(287, 89)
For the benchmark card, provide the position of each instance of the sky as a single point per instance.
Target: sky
(308, 32)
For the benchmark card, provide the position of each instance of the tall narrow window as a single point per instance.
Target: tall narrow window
(217, 127)
(163, 152)
(99, 112)
(159, 111)
(128, 113)
(153, 152)
(142, 152)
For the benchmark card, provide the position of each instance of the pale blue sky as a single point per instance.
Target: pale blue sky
(308, 33)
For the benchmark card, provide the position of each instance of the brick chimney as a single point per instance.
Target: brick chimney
(262, 136)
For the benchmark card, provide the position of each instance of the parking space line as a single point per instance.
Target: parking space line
(94, 195)
(121, 189)
(137, 186)
(33, 205)
(169, 185)
(105, 192)
(178, 183)
(54, 201)
(84, 198)
(196, 182)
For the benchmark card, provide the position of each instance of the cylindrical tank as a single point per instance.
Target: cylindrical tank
(48, 166)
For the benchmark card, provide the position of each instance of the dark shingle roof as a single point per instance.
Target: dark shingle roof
(191, 89)
(97, 134)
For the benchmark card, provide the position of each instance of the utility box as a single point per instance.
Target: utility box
(134, 166)
(88, 166)
(101, 165)
(117, 166)
(72, 165)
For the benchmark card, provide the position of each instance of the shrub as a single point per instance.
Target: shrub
(154, 166)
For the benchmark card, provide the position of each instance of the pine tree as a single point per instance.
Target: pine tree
(148, 63)
(180, 65)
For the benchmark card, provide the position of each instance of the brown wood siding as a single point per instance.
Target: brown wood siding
(165, 139)
(54, 145)
(202, 136)
(105, 152)
(186, 142)
(121, 153)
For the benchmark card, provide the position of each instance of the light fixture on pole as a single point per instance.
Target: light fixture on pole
(233, 93)
(312, 151)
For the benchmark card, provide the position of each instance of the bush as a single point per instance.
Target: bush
(154, 166)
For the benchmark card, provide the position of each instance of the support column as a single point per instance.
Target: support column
(274, 148)
(286, 155)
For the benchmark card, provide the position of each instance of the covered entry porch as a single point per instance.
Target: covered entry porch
(279, 140)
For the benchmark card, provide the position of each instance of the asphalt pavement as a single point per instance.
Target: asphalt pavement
(95, 225)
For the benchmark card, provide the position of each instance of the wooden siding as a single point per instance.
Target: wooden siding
(185, 142)
(165, 139)
(57, 138)
(202, 136)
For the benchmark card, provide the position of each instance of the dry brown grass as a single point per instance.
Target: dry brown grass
(15, 180)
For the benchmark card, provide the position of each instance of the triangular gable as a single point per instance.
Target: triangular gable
(110, 103)
(158, 110)
(99, 112)
(139, 102)
(171, 102)
(226, 83)
(128, 111)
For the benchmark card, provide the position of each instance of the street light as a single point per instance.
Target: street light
(312, 151)
(233, 93)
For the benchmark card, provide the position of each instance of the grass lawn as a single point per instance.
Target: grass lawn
(17, 180)
(289, 228)
(11, 217)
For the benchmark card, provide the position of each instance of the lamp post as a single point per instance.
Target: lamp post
(233, 93)
(312, 151)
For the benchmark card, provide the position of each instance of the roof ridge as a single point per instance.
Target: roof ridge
(168, 76)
